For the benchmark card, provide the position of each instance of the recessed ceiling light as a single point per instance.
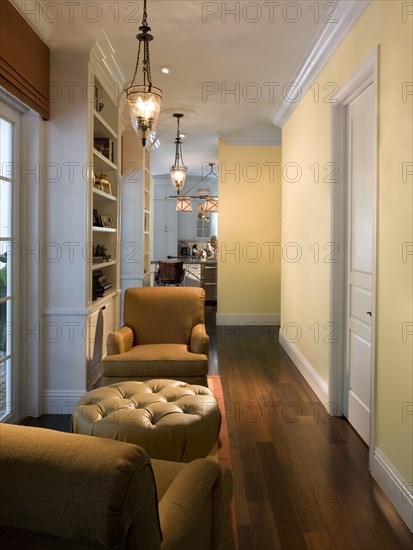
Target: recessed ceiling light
(165, 70)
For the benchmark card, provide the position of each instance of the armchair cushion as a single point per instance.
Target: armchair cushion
(157, 360)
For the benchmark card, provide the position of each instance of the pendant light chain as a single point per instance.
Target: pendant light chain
(137, 65)
(148, 65)
(178, 151)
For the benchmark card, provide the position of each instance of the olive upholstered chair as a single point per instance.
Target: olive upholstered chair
(163, 336)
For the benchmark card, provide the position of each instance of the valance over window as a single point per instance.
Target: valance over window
(24, 61)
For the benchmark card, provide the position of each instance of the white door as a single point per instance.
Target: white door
(361, 192)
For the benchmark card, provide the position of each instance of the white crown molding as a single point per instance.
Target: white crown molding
(323, 47)
(103, 58)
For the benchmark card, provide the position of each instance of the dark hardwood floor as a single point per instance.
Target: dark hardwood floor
(301, 477)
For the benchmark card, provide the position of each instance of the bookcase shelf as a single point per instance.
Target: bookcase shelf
(72, 364)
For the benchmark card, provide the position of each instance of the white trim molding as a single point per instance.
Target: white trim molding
(60, 401)
(398, 491)
(311, 376)
(103, 56)
(245, 319)
(326, 42)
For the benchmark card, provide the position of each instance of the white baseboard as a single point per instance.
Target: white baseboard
(314, 380)
(60, 401)
(260, 319)
(398, 491)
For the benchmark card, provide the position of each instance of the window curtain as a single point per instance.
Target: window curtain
(24, 61)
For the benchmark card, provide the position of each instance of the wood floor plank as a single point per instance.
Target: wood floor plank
(285, 517)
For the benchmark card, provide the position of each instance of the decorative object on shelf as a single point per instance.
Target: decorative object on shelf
(104, 145)
(106, 221)
(106, 186)
(144, 99)
(102, 183)
(100, 254)
(184, 202)
(96, 182)
(96, 219)
(178, 170)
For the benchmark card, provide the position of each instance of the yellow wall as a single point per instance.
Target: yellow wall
(306, 219)
(249, 229)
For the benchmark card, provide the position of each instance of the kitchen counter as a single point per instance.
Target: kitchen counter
(188, 260)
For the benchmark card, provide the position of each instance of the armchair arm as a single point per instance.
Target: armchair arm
(199, 339)
(120, 341)
(195, 510)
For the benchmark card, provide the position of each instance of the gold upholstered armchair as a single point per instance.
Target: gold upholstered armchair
(163, 336)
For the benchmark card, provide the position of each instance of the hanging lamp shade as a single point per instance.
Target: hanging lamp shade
(178, 170)
(145, 105)
(184, 204)
(144, 99)
(210, 205)
(178, 177)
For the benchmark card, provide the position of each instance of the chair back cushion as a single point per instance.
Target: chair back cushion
(163, 315)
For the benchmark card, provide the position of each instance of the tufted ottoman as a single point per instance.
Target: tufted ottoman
(170, 419)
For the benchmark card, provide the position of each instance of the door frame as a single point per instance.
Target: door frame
(364, 76)
(14, 378)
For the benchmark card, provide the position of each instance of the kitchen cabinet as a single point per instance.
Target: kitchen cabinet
(209, 280)
(165, 223)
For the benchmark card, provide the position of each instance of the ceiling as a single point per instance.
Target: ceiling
(231, 62)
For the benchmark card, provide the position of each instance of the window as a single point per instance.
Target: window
(9, 187)
(202, 222)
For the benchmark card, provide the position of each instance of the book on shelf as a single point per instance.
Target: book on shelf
(103, 293)
(101, 287)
